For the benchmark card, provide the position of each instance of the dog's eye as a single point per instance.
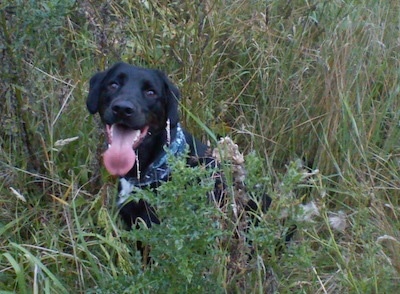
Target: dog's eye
(113, 86)
(150, 93)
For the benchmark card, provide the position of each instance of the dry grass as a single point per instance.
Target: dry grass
(309, 89)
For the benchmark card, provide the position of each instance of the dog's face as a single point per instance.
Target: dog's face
(132, 102)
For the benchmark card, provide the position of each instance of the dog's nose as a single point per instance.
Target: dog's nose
(123, 109)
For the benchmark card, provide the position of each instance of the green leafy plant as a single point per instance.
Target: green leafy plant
(307, 89)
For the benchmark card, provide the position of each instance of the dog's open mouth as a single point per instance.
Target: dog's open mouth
(120, 156)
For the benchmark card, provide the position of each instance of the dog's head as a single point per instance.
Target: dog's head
(132, 101)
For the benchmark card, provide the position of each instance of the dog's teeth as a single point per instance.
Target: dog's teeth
(110, 132)
(136, 137)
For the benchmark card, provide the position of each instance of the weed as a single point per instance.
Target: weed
(307, 89)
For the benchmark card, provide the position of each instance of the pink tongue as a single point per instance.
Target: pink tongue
(120, 156)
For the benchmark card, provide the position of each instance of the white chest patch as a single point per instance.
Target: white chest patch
(124, 193)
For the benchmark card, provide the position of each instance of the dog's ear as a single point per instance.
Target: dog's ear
(173, 96)
(92, 101)
(96, 81)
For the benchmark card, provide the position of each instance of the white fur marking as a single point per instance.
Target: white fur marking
(126, 190)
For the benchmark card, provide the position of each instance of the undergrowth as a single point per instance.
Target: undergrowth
(309, 90)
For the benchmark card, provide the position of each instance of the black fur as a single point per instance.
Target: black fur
(135, 97)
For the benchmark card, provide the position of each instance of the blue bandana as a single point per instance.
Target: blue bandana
(157, 172)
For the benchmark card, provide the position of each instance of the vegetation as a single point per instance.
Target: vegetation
(309, 90)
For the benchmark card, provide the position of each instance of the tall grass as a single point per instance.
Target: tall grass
(308, 89)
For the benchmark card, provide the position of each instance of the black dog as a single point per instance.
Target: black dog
(139, 108)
